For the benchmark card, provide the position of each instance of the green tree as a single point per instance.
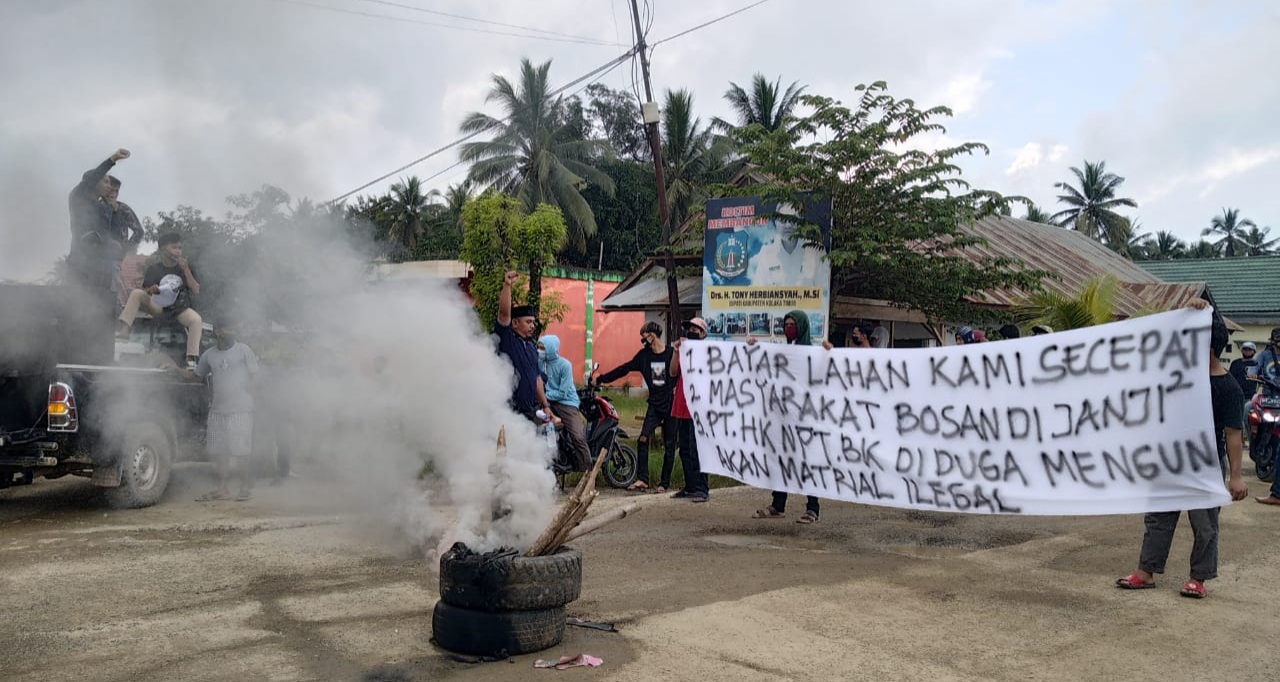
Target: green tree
(1095, 304)
(1036, 214)
(1164, 245)
(627, 219)
(1130, 241)
(898, 213)
(1256, 242)
(535, 154)
(499, 236)
(695, 157)
(1091, 208)
(1202, 249)
(1230, 229)
(617, 116)
(767, 105)
(407, 213)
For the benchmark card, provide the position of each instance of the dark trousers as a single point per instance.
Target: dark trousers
(575, 429)
(653, 419)
(1159, 537)
(694, 480)
(779, 503)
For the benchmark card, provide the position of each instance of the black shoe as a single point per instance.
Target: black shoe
(682, 495)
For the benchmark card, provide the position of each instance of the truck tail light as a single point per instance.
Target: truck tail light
(63, 415)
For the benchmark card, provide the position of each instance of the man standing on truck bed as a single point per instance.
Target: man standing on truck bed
(167, 287)
(230, 368)
(94, 261)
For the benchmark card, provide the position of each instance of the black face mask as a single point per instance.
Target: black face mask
(693, 334)
(644, 342)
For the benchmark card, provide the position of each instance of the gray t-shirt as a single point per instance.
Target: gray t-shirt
(231, 373)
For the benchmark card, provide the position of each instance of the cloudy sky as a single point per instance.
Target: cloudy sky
(216, 97)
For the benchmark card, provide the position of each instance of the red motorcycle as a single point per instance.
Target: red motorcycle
(1264, 428)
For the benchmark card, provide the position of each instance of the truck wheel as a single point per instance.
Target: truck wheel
(144, 467)
(520, 583)
(480, 633)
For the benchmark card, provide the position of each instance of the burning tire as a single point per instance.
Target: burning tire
(481, 633)
(505, 582)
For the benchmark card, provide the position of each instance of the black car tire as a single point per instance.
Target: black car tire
(511, 583)
(145, 462)
(480, 633)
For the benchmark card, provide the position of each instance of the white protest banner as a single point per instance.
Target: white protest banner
(1114, 419)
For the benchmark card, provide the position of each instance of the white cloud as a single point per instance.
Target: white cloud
(1032, 154)
(963, 92)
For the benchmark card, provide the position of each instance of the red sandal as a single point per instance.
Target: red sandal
(1194, 589)
(1134, 581)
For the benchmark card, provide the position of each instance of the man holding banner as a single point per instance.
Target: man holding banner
(1225, 394)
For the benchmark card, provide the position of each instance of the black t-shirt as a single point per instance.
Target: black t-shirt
(1240, 371)
(1227, 398)
(656, 370)
(523, 355)
(157, 272)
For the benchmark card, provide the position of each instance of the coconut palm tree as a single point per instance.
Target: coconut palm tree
(1095, 304)
(534, 153)
(1036, 214)
(1256, 242)
(1202, 249)
(694, 155)
(407, 212)
(1231, 230)
(1164, 245)
(767, 104)
(1130, 241)
(1091, 207)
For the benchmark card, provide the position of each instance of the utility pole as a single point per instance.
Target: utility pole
(650, 110)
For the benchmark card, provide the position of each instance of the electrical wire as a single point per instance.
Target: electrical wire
(303, 3)
(414, 8)
(706, 24)
(595, 74)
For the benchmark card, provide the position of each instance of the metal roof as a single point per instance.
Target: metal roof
(1242, 287)
(1072, 257)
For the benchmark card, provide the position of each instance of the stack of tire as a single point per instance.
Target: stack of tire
(504, 605)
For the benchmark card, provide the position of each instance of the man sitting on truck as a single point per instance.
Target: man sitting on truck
(167, 286)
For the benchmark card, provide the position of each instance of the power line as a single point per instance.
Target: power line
(713, 21)
(406, 20)
(599, 71)
(486, 21)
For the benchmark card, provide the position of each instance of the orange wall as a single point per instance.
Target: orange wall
(617, 335)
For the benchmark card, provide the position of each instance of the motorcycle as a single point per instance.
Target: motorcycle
(604, 434)
(1264, 428)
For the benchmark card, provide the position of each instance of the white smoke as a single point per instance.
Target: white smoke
(400, 393)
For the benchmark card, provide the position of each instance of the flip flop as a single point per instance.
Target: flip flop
(1193, 589)
(213, 497)
(768, 513)
(809, 517)
(1133, 581)
(638, 487)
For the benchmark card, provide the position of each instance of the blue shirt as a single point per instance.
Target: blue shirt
(523, 355)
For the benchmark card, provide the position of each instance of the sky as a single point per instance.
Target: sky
(215, 98)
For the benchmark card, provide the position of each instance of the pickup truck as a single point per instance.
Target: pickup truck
(120, 423)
